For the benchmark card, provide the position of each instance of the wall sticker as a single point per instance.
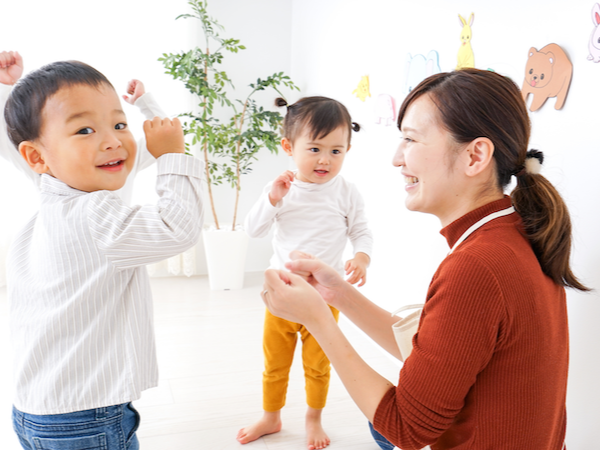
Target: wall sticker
(465, 52)
(362, 90)
(594, 45)
(547, 74)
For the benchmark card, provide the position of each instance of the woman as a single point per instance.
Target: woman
(489, 363)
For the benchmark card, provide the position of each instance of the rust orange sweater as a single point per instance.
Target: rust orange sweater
(490, 359)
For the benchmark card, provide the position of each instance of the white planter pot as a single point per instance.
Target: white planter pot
(225, 257)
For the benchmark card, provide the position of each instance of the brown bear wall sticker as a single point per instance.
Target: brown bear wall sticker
(547, 74)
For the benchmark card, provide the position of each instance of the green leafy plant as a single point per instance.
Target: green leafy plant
(230, 146)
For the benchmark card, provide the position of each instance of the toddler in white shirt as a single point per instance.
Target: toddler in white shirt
(79, 294)
(316, 211)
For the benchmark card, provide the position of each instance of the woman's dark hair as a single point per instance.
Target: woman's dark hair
(23, 110)
(476, 103)
(321, 115)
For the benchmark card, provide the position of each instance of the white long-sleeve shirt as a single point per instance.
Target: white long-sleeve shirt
(148, 107)
(314, 218)
(79, 293)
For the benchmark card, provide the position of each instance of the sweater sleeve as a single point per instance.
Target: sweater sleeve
(260, 218)
(359, 233)
(140, 235)
(460, 325)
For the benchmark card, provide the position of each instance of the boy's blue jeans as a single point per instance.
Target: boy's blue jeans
(109, 428)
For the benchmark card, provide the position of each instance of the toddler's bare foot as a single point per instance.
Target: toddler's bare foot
(269, 423)
(316, 438)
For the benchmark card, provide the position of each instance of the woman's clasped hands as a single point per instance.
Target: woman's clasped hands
(302, 294)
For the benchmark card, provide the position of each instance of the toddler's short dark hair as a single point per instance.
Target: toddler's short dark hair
(321, 115)
(23, 110)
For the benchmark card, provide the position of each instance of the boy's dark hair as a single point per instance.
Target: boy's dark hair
(23, 110)
(321, 115)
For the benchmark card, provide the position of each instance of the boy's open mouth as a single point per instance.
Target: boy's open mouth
(112, 164)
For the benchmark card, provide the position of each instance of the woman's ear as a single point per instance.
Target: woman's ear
(480, 154)
(287, 146)
(33, 156)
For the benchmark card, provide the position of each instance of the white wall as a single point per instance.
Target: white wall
(327, 46)
(336, 42)
(124, 39)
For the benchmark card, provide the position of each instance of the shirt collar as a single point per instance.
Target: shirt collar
(51, 185)
(313, 186)
(455, 230)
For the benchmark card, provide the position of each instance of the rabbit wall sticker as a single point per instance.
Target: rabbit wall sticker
(594, 45)
(465, 52)
(362, 90)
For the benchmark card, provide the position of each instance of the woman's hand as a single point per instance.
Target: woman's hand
(369, 317)
(290, 297)
(322, 277)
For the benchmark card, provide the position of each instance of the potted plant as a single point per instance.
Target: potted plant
(230, 132)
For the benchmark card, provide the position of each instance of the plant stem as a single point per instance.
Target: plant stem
(237, 164)
(206, 160)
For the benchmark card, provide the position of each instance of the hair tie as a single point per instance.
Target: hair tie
(355, 126)
(280, 101)
(533, 164)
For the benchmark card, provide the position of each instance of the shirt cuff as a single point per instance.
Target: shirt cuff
(179, 164)
(149, 107)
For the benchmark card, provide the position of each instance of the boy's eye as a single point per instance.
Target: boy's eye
(86, 130)
(120, 126)
(314, 150)
(336, 152)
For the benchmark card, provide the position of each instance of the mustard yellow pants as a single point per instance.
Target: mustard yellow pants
(279, 342)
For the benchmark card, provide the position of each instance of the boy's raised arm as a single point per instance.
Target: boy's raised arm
(11, 67)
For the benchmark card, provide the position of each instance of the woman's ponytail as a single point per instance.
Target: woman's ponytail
(546, 220)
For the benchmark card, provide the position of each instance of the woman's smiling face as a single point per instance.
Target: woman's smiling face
(427, 155)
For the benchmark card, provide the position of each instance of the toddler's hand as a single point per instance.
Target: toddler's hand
(164, 136)
(357, 269)
(136, 89)
(11, 67)
(281, 186)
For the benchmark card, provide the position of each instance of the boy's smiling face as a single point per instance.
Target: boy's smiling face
(84, 139)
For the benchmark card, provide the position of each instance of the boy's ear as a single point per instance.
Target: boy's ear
(286, 145)
(32, 155)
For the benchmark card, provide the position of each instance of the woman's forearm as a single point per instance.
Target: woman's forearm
(375, 321)
(365, 385)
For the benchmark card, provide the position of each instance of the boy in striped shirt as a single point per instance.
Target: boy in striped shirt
(79, 293)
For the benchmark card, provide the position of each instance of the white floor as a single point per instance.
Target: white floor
(210, 359)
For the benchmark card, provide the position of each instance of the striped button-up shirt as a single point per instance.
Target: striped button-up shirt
(79, 294)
